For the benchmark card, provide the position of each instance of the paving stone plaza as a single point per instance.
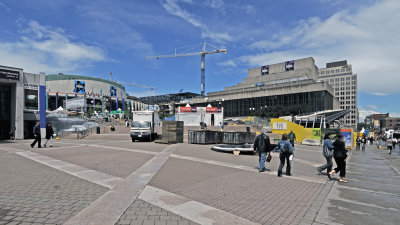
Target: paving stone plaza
(107, 179)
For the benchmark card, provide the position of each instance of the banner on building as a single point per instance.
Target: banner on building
(113, 91)
(289, 65)
(79, 86)
(74, 103)
(213, 110)
(265, 70)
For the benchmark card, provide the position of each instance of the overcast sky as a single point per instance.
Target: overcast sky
(98, 37)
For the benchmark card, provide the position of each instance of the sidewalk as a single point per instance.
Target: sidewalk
(372, 195)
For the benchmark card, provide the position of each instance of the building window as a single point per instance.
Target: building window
(332, 71)
(348, 78)
(331, 80)
(342, 79)
(337, 70)
(347, 83)
(348, 69)
(322, 72)
(342, 70)
(354, 82)
(327, 72)
(347, 88)
(354, 78)
(336, 79)
(354, 87)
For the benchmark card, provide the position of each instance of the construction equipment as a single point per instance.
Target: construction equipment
(202, 54)
(130, 84)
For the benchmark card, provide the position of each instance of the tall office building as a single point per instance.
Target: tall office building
(340, 76)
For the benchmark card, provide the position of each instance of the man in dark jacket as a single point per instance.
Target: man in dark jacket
(262, 145)
(36, 133)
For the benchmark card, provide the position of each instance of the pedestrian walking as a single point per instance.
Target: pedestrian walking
(36, 133)
(49, 135)
(394, 142)
(292, 137)
(221, 126)
(340, 155)
(363, 142)
(327, 152)
(389, 145)
(285, 151)
(262, 146)
(358, 143)
(371, 139)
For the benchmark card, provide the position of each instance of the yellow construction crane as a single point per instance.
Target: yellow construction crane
(202, 54)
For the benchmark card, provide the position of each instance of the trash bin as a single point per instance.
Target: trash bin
(97, 130)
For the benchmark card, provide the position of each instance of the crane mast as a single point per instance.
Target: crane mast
(202, 54)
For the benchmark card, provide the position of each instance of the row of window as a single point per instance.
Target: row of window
(333, 71)
(346, 88)
(337, 94)
(334, 75)
(343, 83)
(347, 107)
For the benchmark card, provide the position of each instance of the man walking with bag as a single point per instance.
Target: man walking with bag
(262, 146)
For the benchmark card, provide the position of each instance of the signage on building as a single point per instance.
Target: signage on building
(377, 124)
(185, 109)
(79, 86)
(280, 126)
(113, 91)
(9, 74)
(260, 84)
(213, 110)
(294, 79)
(31, 86)
(289, 65)
(265, 70)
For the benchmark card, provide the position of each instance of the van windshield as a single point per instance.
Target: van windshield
(141, 124)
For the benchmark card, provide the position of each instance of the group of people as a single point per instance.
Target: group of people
(263, 146)
(38, 137)
(336, 150)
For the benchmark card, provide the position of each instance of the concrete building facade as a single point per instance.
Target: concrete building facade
(340, 76)
(288, 85)
(22, 102)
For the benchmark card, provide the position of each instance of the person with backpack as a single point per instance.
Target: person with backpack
(292, 137)
(340, 155)
(262, 145)
(285, 151)
(327, 152)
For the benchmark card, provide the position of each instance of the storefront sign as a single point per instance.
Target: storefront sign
(31, 86)
(9, 74)
(194, 109)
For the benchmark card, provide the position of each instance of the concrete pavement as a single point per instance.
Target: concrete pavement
(110, 180)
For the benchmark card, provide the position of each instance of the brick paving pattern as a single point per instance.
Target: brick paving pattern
(113, 162)
(261, 198)
(31, 193)
(143, 213)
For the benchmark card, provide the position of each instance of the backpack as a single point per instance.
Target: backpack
(285, 148)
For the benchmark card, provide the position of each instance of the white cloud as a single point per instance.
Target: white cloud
(46, 49)
(172, 7)
(2, 5)
(368, 39)
(229, 62)
(380, 93)
(372, 109)
(143, 93)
